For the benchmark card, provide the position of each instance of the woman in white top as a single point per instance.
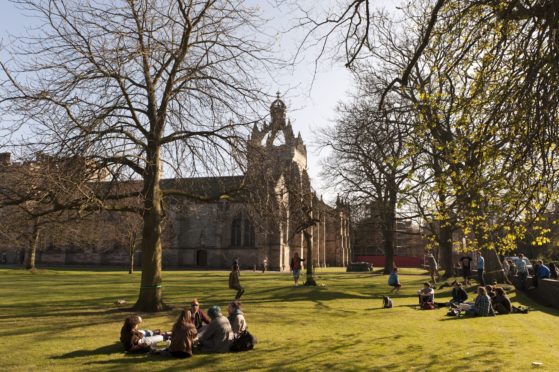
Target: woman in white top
(236, 317)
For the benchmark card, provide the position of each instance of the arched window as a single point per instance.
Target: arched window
(248, 240)
(236, 233)
(242, 231)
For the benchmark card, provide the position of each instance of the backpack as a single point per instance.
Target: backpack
(242, 342)
(453, 312)
(427, 306)
(386, 302)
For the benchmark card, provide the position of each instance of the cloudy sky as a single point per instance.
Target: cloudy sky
(312, 93)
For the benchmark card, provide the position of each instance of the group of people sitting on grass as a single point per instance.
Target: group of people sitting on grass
(490, 300)
(193, 330)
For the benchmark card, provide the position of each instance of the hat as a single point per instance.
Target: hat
(214, 311)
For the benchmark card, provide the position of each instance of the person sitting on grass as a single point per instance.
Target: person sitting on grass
(218, 335)
(182, 336)
(501, 302)
(236, 317)
(490, 290)
(482, 304)
(135, 340)
(459, 295)
(199, 318)
(394, 281)
(426, 296)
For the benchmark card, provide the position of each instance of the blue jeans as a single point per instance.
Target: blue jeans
(522, 275)
(480, 277)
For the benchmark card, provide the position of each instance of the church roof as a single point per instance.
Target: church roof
(209, 188)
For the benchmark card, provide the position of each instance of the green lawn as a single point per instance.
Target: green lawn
(68, 320)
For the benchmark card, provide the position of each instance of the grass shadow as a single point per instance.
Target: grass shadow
(103, 350)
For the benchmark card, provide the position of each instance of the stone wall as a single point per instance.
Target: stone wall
(546, 293)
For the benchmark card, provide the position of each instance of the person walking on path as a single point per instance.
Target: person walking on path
(480, 269)
(295, 266)
(394, 281)
(265, 264)
(433, 267)
(235, 282)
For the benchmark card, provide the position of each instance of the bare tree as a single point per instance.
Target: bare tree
(138, 87)
(371, 161)
(41, 193)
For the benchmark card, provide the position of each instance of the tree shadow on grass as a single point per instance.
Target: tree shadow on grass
(103, 350)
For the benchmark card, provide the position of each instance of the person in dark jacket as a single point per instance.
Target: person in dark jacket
(135, 340)
(182, 337)
(501, 302)
(235, 282)
(199, 318)
(553, 272)
(459, 295)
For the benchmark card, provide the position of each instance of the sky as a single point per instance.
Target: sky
(312, 93)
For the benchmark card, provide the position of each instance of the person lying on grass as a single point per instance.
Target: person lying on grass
(136, 340)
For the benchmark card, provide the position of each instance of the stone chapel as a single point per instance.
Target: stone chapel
(260, 218)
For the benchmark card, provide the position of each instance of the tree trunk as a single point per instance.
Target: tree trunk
(131, 252)
(493, 267)
(32, 250)
(150, 298)
(389, 234)
(445, 245)
(310, 274)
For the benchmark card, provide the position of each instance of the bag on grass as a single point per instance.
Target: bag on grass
(242, 342)
(453, 312)
(427, 306)
(386, 302)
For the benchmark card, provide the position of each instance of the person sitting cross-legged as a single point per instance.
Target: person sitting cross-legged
(481, 306)
(426, 297)
(459, 295)
(218, 335)
(198, 317)
(236, 317)
(501, 302)
(182, 337)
